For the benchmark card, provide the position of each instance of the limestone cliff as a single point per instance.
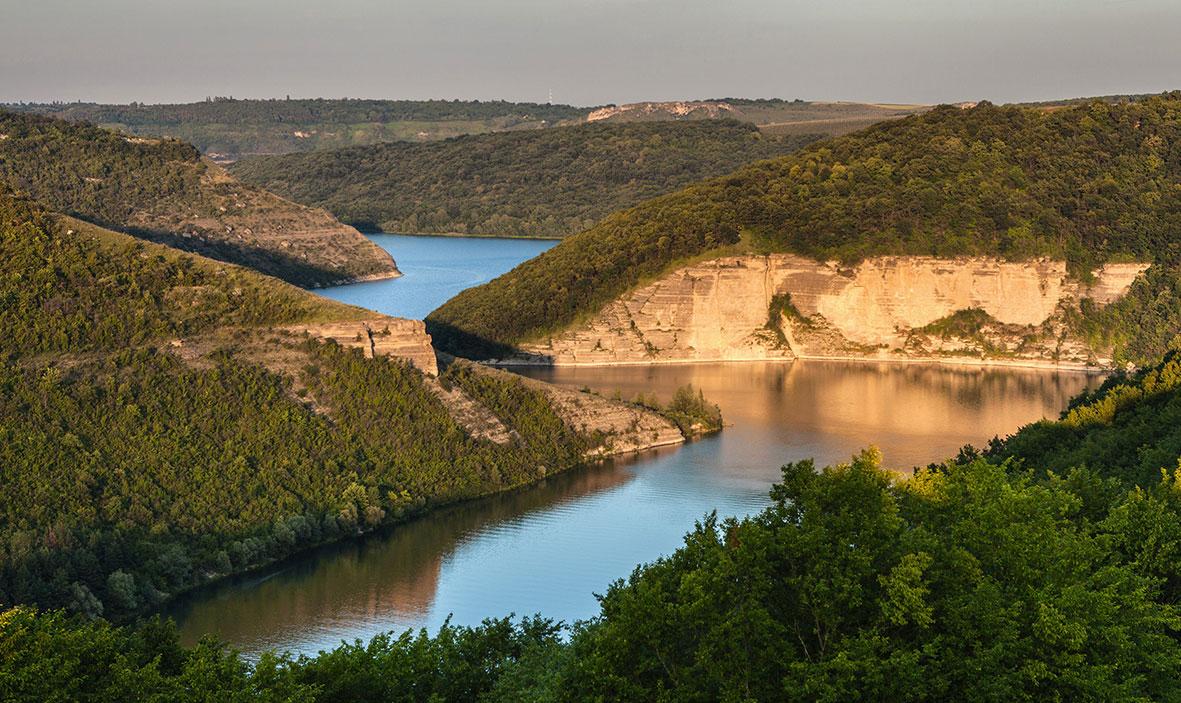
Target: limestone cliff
(380, 336)
(783, 306)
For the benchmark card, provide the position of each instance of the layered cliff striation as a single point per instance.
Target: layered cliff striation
(164, 191)
(783, 306)
(1076, 189)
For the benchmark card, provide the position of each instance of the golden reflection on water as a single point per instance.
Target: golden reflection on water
(547, 548)
(915, 413)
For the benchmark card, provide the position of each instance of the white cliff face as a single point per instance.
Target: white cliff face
(719, 310)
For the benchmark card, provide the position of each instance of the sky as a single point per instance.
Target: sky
(587, 52)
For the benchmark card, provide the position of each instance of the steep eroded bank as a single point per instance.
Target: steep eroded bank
(783, 306)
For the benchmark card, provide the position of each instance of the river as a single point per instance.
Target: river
(551, 547)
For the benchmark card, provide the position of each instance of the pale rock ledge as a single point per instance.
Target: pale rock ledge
(720, 310)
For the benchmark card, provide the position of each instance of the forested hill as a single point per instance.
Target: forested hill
(1048, 568)
(541, 183)
(161, 425)
(230, 129)
(226, 129)
(1090, 183)
(162, 190)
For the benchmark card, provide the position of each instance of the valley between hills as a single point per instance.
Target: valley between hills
(178, 409)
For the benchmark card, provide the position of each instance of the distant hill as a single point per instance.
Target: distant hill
(772, 116)
(162, 190)
(1086, 184)
(227, 129)
(165, 421)
(541, 183)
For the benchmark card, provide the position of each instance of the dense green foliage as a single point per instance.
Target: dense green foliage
(541, 183)
(1048, 569)
(141, 465)
(52, 657)
(234, 128)
(69, 287)
(1091, 183)
(131, 473)
(95, 174)
(161, 189)
(1128, 429)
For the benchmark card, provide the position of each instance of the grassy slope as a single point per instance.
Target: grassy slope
(163, 190)
(134, 469)
(1090, 183)
(538, 183)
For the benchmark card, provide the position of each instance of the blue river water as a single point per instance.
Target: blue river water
(434, 269)
(551, 547)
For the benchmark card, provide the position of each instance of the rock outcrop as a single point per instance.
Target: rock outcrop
(616, 427)
(679, 109)
(623, 428)
(783, 306)
(379, 336)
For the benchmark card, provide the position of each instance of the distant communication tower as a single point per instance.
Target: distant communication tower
(551, 97)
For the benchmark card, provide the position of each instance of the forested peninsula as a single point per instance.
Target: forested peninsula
(167, 420)
(1088, 185)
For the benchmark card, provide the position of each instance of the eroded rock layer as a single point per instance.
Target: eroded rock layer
(380, 336)
(782, 306)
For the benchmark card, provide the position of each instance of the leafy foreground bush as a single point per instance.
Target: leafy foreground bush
(965, 583)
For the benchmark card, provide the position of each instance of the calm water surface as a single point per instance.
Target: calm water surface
(434, 269)
(549, 548)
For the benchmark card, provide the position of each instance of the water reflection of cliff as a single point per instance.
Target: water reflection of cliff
(916, 413)
(390, 578)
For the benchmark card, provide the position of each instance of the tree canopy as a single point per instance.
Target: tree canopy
(539, 183)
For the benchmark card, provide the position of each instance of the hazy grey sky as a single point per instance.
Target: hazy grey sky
(587, 51)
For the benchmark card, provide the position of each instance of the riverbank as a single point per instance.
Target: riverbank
(465, 235)
(611, 428)
(925, 360)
